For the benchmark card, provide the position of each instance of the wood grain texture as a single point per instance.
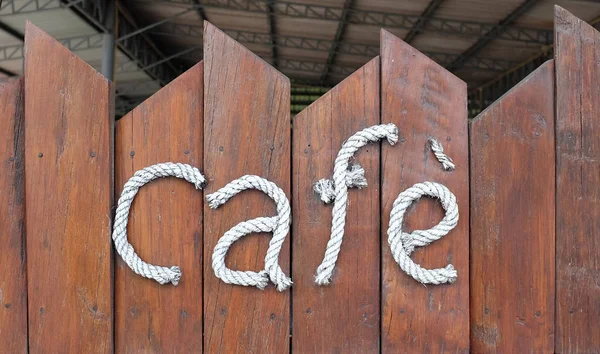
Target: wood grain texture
(577, 52)
(424, 100)
(13, 286)
(512, 228)
(342, 317)
(247, 131)
(69, 192)
(165, 225)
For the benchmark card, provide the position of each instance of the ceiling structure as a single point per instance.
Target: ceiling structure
(490, 44)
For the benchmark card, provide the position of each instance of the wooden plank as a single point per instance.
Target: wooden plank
(333, 319)
(165, 226)
(69, 192)
(577, 51)
(247, 131)
(424, 101)
(512, 192)
(13, 286)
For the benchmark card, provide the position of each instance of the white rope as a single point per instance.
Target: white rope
(403, 244)
(341, 183)
(161, 274)
(438, 151)
(278, 225)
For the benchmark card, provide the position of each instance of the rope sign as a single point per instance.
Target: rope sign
(162, 275)
(278, 225)
(402, 244)
(345, 176)
(338, 190)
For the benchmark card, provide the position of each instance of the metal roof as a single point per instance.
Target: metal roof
(314, 42)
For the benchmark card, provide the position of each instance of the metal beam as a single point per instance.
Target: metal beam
(373, 18)
(339, 36)
(318, 44)
(200, 10)
(494, 33)
(138, 48)
(421, 23)
(75, 44)
(273, 32)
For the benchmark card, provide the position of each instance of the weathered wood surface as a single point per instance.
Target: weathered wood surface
(69, 194)
(512, 226)
(344, 316)
(165, 225)
(424, 100)
(577, 52)
(13, 286)
(247, 131)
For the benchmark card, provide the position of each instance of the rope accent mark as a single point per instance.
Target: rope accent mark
(403, 244)
(438, 151)
(278, 225)
(342, 180)
(161, 274)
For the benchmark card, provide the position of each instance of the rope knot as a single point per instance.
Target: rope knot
(355, 178)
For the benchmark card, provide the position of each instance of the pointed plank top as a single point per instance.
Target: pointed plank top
(36, 40)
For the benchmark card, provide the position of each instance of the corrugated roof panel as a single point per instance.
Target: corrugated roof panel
(414, 7)
(542, 14)
(227, 19)
(440, 42)
(369, 34)
(296, 54)
(291, 26)
(477, 10)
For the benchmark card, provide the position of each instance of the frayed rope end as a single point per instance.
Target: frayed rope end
(322, 278)
(213, 201)
(263, 280)
(355, 177)
(451, 273)
(174, 275)
(324, 188)
(392, 136)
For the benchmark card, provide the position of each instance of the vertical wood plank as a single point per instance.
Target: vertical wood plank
(165, 225)
(424, 101)
(247, 131)
(512, 228)
(343, 316)
(577, 52)
(13, 286)
(69, 192)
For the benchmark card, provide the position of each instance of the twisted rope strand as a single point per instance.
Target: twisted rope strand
(279, 225)
(340, 182)
(161, 274)
(403, 244)
(438, 151)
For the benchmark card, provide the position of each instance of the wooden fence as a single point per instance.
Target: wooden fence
(527, 182)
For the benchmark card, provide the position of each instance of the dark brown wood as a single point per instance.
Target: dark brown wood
(342, 317)
(577, 52)
(512, 228)
(165, 225)
(13, 286)
(424, 100)
(69, 192)
(247, 131)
